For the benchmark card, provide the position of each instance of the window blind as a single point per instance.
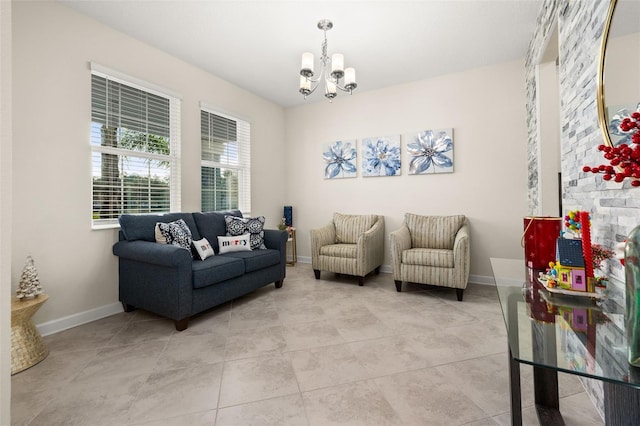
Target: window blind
(135, 141)
(226, 162)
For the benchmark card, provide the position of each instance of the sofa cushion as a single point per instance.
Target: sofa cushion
(216, 269)
(142, 227)
(439, 258)
(211, 225)
(350, 227)
(339, 250)
(253, 226)
(438, 232)
(257, 259)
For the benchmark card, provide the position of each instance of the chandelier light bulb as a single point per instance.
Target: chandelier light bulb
(305, 86)
(307, 65)
(337, 65)
(330, 89)
(350, 79)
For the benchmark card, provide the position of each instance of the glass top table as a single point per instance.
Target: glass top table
(567, 333)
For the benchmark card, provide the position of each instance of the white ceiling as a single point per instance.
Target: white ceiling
(257, 45)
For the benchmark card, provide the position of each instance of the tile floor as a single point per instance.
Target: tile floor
(324, 352)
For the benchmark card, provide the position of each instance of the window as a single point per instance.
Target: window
(135, 149)
(225, 166)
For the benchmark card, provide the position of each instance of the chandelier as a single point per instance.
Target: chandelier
(332, 78)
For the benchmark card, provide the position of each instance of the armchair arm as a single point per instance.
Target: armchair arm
(370, 247)
(321, 237)
(461, 256)
(154, 253)
(400, 241)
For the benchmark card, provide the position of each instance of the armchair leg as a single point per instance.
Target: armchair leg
(398, 286)
(317, 273)
(278, 283)
(459, 293)
(182, 324)
(360, 281)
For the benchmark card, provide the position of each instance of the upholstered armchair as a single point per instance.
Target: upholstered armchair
(431, 250)
(350, 245)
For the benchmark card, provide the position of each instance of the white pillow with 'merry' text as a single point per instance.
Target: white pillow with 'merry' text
(231, 244)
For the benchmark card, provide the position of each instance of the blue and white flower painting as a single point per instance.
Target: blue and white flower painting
(430, 151)
(340, 159)
(381, 156)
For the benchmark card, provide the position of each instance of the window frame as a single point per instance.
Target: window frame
(243, 167)
(173, 158)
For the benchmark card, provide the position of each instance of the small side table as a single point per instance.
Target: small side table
(294, 253)
(27, 346)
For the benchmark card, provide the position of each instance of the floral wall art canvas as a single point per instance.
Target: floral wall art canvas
(430, 151)
(381, 156)
(339, 159)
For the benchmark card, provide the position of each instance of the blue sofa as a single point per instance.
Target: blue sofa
(166, 280)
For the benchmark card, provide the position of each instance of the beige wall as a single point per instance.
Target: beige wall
(622, 68)
(51, 151)
(485, 108)
(5, 212)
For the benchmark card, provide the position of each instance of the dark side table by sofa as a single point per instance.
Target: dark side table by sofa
(570, 334)
(27, 346)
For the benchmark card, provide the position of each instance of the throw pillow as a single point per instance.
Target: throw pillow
(229, 244)
(203, 248)
(254, 226)
(176, 233)
(159, 237)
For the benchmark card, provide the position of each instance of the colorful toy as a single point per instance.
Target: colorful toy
(574, 221)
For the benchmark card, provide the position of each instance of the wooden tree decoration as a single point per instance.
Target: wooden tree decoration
(29, 286)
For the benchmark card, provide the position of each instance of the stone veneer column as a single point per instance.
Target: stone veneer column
(614, 208)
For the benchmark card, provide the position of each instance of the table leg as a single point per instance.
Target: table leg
(547, 397)
(621, 405)
(514, 388)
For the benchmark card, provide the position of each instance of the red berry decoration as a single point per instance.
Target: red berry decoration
(624, 157)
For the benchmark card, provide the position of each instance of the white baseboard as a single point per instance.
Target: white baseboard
(74, 320)
(476, 279)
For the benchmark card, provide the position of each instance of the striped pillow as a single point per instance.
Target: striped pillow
(436, 232)
(350, 227)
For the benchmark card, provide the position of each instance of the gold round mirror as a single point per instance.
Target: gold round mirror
(619, 71)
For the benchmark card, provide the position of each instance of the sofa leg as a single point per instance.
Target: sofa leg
(182, 324)
(398, 286)
(317, 273)
(459, 293)
(127, 307)
(360, 281)
(278, 283)
(377, 271)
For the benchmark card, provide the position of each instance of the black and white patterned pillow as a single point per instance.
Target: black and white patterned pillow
(176, 233)
(247, 225)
